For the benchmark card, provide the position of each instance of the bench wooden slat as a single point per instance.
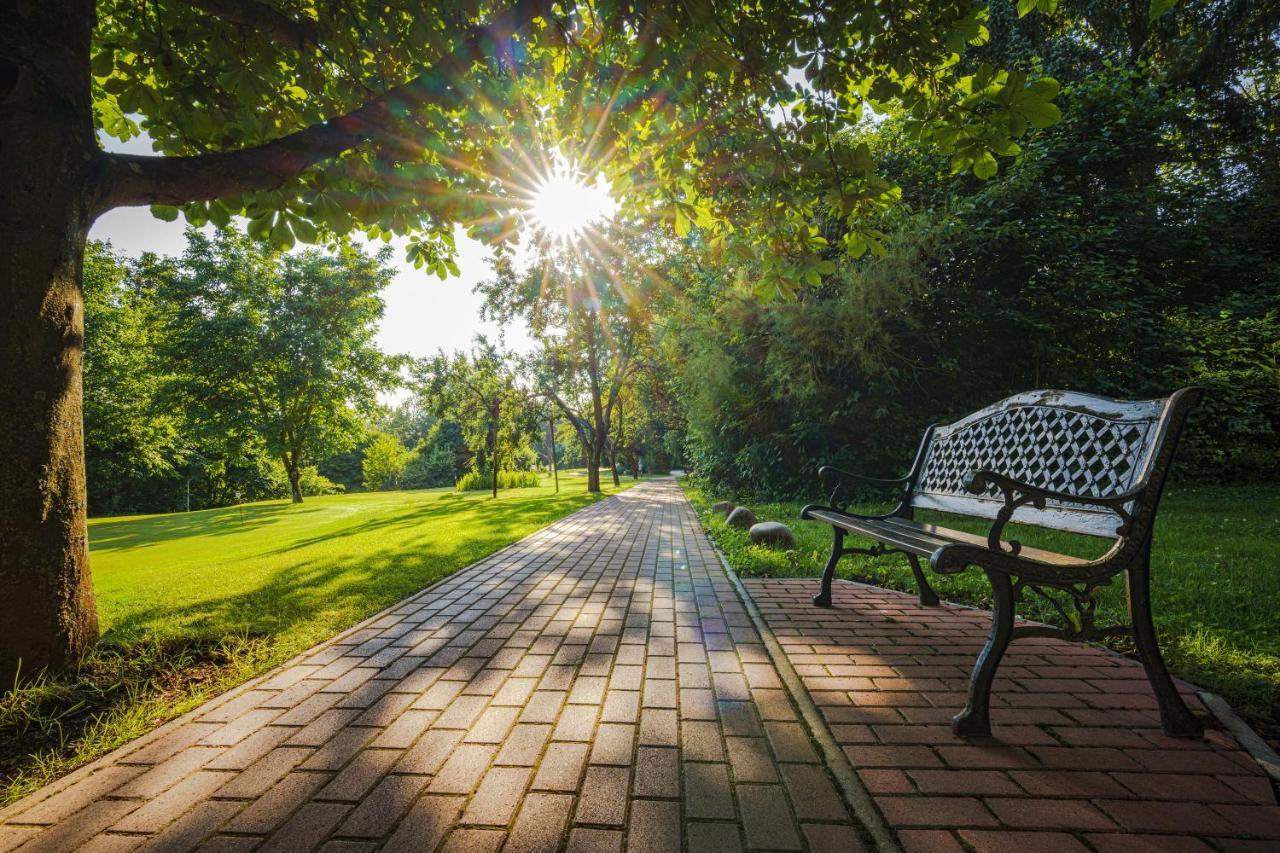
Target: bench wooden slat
(1038, 554)
(922, 539)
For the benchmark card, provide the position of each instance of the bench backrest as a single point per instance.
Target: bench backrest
(1078, 444)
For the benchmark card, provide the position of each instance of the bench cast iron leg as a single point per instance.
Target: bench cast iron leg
(975, 719)
(1177, 719)
(823, 598)
(928, 597)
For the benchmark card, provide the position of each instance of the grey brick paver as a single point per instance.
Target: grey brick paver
(547, 697)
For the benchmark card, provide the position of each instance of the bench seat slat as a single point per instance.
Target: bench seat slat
(922, 539)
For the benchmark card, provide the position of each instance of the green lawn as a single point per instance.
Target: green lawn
(194, 603)
(1215, 582)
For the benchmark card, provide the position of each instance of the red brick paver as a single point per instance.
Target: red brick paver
(597, 686)
(1077, 761)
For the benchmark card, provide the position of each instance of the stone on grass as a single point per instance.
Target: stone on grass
(723, 507)
(774, 534)
(741, 518)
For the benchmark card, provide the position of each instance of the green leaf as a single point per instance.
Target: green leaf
(1025, 7)
(197, 214)
(681, 222)
(985, 166)
(1044, 88)
(281, 236)
(259, 228)
(305, 230)
(1159, 7)
(1041, 113)
(103, 63)
(164, 212)
(219, 215)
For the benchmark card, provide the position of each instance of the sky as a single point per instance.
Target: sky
(423, 314)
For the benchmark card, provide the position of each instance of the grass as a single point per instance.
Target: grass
(1215, 582)
(192, 604)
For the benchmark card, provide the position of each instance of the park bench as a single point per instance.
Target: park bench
(1054, 459)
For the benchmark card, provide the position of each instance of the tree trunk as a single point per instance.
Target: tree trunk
(551, 443)
(593, 467)
(493, 455)
(47, 614)
(613, 445)
(295, 475)
(600, 429)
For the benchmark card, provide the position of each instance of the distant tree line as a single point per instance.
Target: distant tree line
(239, 372)
(228, 373)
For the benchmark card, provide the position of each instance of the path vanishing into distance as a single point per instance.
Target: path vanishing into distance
(604, 684)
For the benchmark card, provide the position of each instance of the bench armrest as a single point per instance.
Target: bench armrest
(1017, 494)
(830, 472)
(839, 477)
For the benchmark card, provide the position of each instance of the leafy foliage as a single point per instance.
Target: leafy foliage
(385, 460)
(445, 99)
(275, 346)
(474, 481)
(1129, 250)
(132, 444)
(193, 381)
(433, 464)
(479, 390)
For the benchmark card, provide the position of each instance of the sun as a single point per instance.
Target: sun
(565, 204)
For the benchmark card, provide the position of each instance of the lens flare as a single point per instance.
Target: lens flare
(565, 204)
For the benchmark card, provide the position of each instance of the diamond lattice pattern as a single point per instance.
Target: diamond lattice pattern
(1052, 448)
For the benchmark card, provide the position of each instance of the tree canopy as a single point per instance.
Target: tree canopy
(280, 345)
(480, 390)
(407, 118)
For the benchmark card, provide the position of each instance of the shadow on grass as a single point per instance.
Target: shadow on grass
(120, 534)
(496, 517)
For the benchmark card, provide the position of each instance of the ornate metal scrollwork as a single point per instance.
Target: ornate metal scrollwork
(1077, 623)
(977, 483)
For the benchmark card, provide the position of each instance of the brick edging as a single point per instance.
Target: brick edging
(56, 786)
(855, 793)
(1252, 742)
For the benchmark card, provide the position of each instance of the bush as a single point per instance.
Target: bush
(473, 481)
(432, 465)
(313, 482)
(384, 461)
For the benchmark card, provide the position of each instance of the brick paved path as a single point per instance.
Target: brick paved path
(598, 685)
(1078, 760)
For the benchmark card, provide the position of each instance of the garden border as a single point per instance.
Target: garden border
(1252, 742)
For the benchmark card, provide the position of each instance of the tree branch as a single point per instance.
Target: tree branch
(136, 180)
(262, 17)
(579, 423)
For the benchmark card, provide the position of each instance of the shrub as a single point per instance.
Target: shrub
(430, 467)
(473, 481)
(384, 461)
(315, 483)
